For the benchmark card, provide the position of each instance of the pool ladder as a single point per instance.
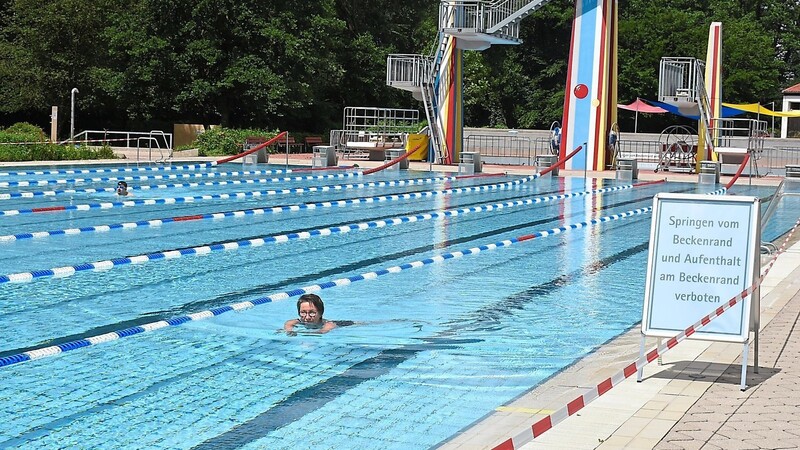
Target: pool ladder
(153, 137)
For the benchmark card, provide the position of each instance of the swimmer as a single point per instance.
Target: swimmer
(309, 310)
(122, 189)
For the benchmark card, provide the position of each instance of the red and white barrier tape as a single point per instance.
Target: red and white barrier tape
(84, 141)
(541, 426)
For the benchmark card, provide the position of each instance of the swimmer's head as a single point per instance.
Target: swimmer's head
(122, 188)
(310, 308)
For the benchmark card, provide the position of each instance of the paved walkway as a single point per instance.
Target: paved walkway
(767, 414)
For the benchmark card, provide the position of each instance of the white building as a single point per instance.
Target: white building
(790, 126)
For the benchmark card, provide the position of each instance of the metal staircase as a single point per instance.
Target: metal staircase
(477, 25)
(682, 81)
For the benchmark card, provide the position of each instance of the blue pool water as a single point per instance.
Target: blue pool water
(435, 349)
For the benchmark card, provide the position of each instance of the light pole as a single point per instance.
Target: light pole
(72, 115)
(772, 130)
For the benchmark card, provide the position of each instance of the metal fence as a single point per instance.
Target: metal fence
(642, 151)
(511, 150)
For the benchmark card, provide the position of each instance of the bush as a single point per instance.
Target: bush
(37, 148)
(221, 141)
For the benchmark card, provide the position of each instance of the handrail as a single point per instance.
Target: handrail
(149, 139)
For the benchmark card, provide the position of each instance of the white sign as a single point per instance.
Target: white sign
(704, 251)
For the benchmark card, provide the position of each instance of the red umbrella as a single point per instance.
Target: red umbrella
(639, 106)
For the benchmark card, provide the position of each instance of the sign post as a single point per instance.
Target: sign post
(704, 250)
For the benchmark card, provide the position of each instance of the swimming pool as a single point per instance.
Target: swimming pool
(437, 346)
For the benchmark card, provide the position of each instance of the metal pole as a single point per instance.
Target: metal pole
(72, 116)
(772, 130)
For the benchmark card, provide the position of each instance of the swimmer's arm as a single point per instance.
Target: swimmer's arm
(289, 325)
(329, 325)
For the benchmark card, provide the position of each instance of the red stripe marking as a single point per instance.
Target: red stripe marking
(733, 301)
(508, 444)
(49, 208)
(542, 426)
(186, 218)
(672, 342)
(604, 387)
(689, 331)
(705, 320)
(629, 370)
(575, 406)
(527, 237)
(720, 310)
(652, 355)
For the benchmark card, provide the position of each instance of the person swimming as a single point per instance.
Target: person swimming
(309, 310)
(122, 188)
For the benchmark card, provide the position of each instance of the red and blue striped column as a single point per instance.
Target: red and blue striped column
(590, 101)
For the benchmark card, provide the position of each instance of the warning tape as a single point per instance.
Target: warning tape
(548, 422)
(83, 141)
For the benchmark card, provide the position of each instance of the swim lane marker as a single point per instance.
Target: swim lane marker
(176, 321)
(68, 271)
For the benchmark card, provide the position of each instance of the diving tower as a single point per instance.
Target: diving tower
(436, 78)
(695, 88)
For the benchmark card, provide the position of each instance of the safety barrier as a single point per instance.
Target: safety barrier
(571, 408)
(177, 321)
(159, 222)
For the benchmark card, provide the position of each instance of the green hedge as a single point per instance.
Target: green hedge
(221, 141)
(38, 149)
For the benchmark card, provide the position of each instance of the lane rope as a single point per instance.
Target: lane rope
(110, 170)
(32, 194)
(219, 215)
(176, 176)
(173, 200)
(177, 321)
(105, 265)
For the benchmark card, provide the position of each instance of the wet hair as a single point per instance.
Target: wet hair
(123, 184)
(314, 300)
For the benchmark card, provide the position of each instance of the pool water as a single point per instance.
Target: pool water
(434, 348)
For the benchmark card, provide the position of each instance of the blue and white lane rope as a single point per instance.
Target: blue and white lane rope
(32, 194)
(110, 170)
(68, 271)
(255, 194)
(173, 176)
(176, 321)
(206, 216)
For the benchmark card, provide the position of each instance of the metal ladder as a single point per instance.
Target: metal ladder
(704, 105)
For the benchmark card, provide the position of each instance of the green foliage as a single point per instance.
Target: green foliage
(295, 64)
(26, 142)
(220, 141)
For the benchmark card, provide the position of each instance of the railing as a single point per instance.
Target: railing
(775, 159)
(642, 151)
(408, 70)
(747, 134)
(127, 139)
(485, 17)
(462, 14)
(512, 150)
